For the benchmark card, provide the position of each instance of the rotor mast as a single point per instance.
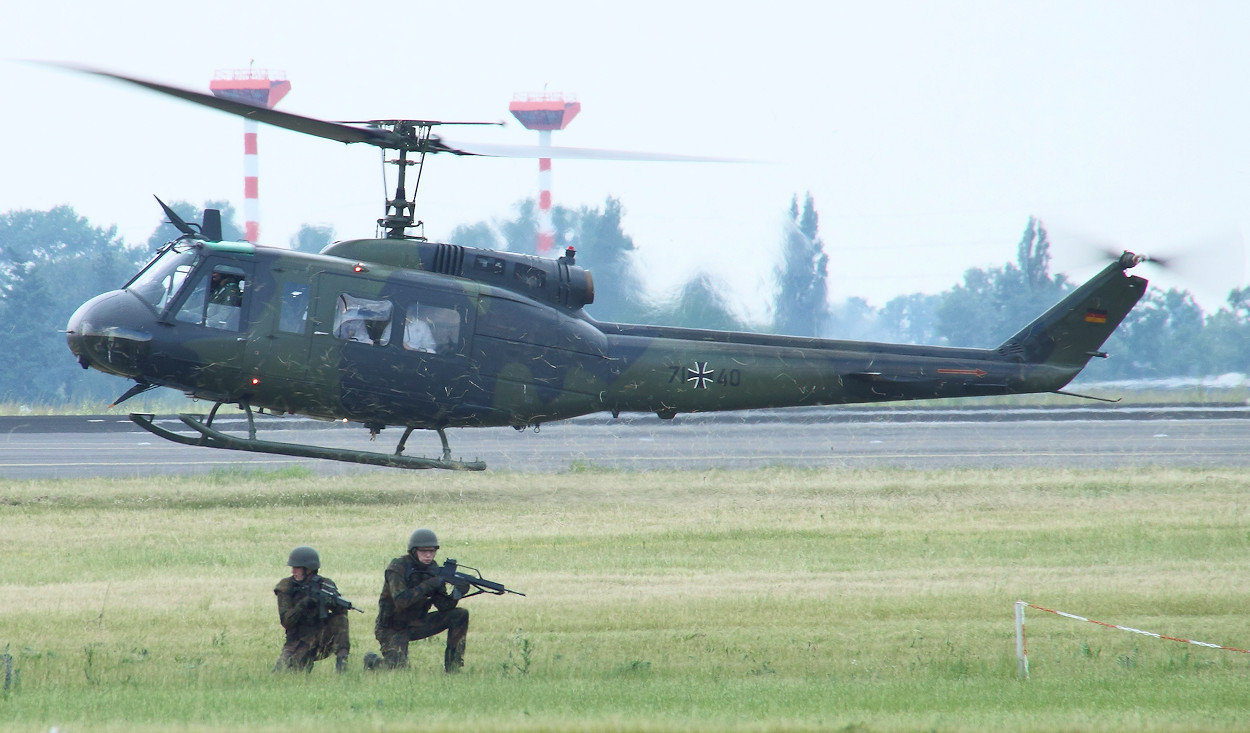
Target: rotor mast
(401, 211)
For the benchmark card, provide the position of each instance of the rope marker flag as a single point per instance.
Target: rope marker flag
(1022, 654)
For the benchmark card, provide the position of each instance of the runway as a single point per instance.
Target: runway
(920, 438)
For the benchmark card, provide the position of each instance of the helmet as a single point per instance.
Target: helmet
(304, 557)
(423, 538)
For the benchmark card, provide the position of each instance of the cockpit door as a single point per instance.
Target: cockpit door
(210, 321)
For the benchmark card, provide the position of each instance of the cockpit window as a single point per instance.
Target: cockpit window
(216, 300)
(157, 283)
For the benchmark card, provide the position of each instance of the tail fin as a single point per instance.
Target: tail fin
(1074, 329)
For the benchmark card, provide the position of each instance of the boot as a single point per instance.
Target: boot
(453, 659)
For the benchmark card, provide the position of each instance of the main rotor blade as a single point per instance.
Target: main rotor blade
(541, 151)
(402, 135)
(298, 123)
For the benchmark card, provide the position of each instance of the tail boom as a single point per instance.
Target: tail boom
(670, 371)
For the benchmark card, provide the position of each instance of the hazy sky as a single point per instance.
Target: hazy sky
(928, 132)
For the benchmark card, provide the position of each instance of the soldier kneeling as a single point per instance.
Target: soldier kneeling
(315, 628)
(409, 591)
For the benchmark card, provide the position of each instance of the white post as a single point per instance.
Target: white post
(1022, 655)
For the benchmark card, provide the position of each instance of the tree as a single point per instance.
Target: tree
(991, 305)
(1225, 340)
(911, 319)
(971, 313)
(480, 235)
(801, 303)
(1160, 337)
(699, 304)
(521, 234)
(312, 239)
(853, 319)
(53, 262)
(604, 248)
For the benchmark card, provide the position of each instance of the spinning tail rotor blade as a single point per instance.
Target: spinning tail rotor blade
(1208, 267)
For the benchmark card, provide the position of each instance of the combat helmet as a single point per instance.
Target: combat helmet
(423, 538)
(304, 557)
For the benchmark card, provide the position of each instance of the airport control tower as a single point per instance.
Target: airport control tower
(262, 88)
(544, 112)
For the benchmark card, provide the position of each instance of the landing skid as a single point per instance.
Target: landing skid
(212, 438)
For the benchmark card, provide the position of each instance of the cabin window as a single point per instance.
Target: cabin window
(431, 329)
(216, 300)
(294, 313)
(364, 320)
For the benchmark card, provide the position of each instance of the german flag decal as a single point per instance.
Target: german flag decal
(1094, 315)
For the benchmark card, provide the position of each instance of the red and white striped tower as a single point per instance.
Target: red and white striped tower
(544, 112)
(262, 88)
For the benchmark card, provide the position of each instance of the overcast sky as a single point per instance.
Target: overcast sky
(928, 132)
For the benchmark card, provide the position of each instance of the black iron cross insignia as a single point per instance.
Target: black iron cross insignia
(700, 375)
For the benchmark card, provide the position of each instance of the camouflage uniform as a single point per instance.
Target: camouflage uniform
(404, 614)
(309, 636)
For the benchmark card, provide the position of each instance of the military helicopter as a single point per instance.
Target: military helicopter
(402, 331)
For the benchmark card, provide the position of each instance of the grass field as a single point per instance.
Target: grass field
(770, 600)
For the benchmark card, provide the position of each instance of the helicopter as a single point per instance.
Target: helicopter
(400, 331)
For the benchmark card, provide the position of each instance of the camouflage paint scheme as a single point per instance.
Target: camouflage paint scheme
(527, 353)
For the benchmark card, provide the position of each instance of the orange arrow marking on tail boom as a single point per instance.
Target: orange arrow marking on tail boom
(970, 372)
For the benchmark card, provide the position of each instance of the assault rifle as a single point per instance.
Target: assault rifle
(465, 585)
(327, 596)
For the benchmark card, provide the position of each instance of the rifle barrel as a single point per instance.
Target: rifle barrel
(450, 572)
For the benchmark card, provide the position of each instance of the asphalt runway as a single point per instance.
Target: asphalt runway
(922, 438)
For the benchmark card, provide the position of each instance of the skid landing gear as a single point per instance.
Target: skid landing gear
(209, 437)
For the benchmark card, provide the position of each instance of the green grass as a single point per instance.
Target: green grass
(771, 600)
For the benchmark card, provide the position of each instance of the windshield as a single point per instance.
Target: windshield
(157, 283)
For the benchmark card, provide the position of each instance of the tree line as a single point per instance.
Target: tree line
(52, 261)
